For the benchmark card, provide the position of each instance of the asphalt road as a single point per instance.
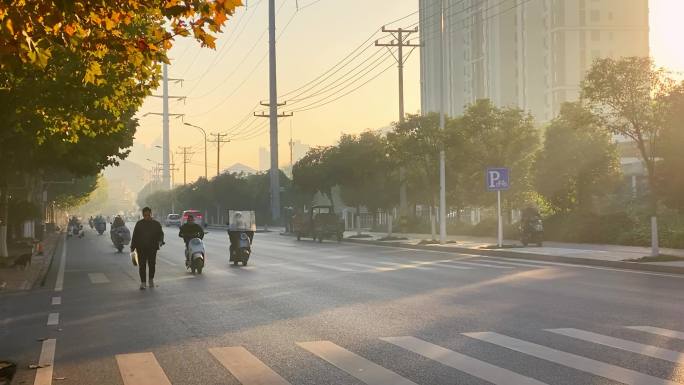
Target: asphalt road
(310, 313)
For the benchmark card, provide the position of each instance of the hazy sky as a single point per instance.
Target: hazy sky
(223, 86)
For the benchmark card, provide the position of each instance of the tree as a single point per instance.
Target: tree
(366, 173)
(314, 172)
(415, 144)
(578, 161)
(630, 96)
(496, 137)
(31, 31)
(670, 177)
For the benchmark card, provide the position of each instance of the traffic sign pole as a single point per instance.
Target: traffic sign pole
(500, 225)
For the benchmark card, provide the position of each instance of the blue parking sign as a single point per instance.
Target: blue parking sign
(498, 179)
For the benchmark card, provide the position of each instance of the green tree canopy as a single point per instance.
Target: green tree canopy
(578, 162)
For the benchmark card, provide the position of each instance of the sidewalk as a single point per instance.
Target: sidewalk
(18, 278)
(608, 255)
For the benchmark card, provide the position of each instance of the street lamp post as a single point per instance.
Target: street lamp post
(206, 174)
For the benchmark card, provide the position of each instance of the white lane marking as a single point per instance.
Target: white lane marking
(59, 284)
(611, 372)
(331, 267)
(53, 319)
(617, 343)
(579, 266)
(46, 363)
(482, 265)
(658, 331)
(521, 264)
(96, 278)
(248, 369)
(141, 369)
(461, 362)
(166, 261)
(359, 367)
(56, 300)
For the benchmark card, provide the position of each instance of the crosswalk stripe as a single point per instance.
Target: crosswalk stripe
(359, 367)
(516, 264)
(297, 268)
(617, 343)
(141, 369)
(56, 300)
(611, 372)
(658, 331)
(461, 362)
(404, 265)
(248, 369)
(98, 278)
(46, 363)
(450, 266)
(331, 267)
(363, 265)
(482, 265)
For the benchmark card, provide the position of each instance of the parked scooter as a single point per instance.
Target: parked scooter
(532, 229)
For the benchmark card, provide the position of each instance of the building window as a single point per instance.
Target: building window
(595, 16)
(595, 35)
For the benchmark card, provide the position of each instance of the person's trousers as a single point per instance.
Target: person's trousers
(146, 258)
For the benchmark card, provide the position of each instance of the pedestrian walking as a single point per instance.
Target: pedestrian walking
(147, 238)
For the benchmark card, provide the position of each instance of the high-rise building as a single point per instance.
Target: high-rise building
(530, 54)
(264, 159)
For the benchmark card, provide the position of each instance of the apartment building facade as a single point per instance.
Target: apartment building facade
(530, 54)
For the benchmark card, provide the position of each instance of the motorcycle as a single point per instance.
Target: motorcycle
(195, 255)
(101, 227)
(241, 229)
(532, 232)
(121, 236)
(241, 248)
(75, 230)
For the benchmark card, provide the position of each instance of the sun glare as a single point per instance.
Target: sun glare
(667, 32)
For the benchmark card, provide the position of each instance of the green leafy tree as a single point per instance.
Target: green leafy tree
(671, 164)
(315, 173)
(578, 162)
(631, 97)
(496, 137)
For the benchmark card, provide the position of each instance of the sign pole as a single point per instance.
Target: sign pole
(500, 224)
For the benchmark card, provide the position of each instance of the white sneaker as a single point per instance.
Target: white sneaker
(143, 286)
(152, 283)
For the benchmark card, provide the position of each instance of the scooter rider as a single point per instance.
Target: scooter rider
(190, 230)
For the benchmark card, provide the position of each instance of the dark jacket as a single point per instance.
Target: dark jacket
(147, 235)
(191, 230)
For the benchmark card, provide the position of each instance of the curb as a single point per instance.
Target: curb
(528, 256)
(46, 270)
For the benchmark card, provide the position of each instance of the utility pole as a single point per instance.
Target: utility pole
(274, 116)
(400, 41)
(273, 104)
(166, 147)
(442, 124)
(219, 142)
(187, 154)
